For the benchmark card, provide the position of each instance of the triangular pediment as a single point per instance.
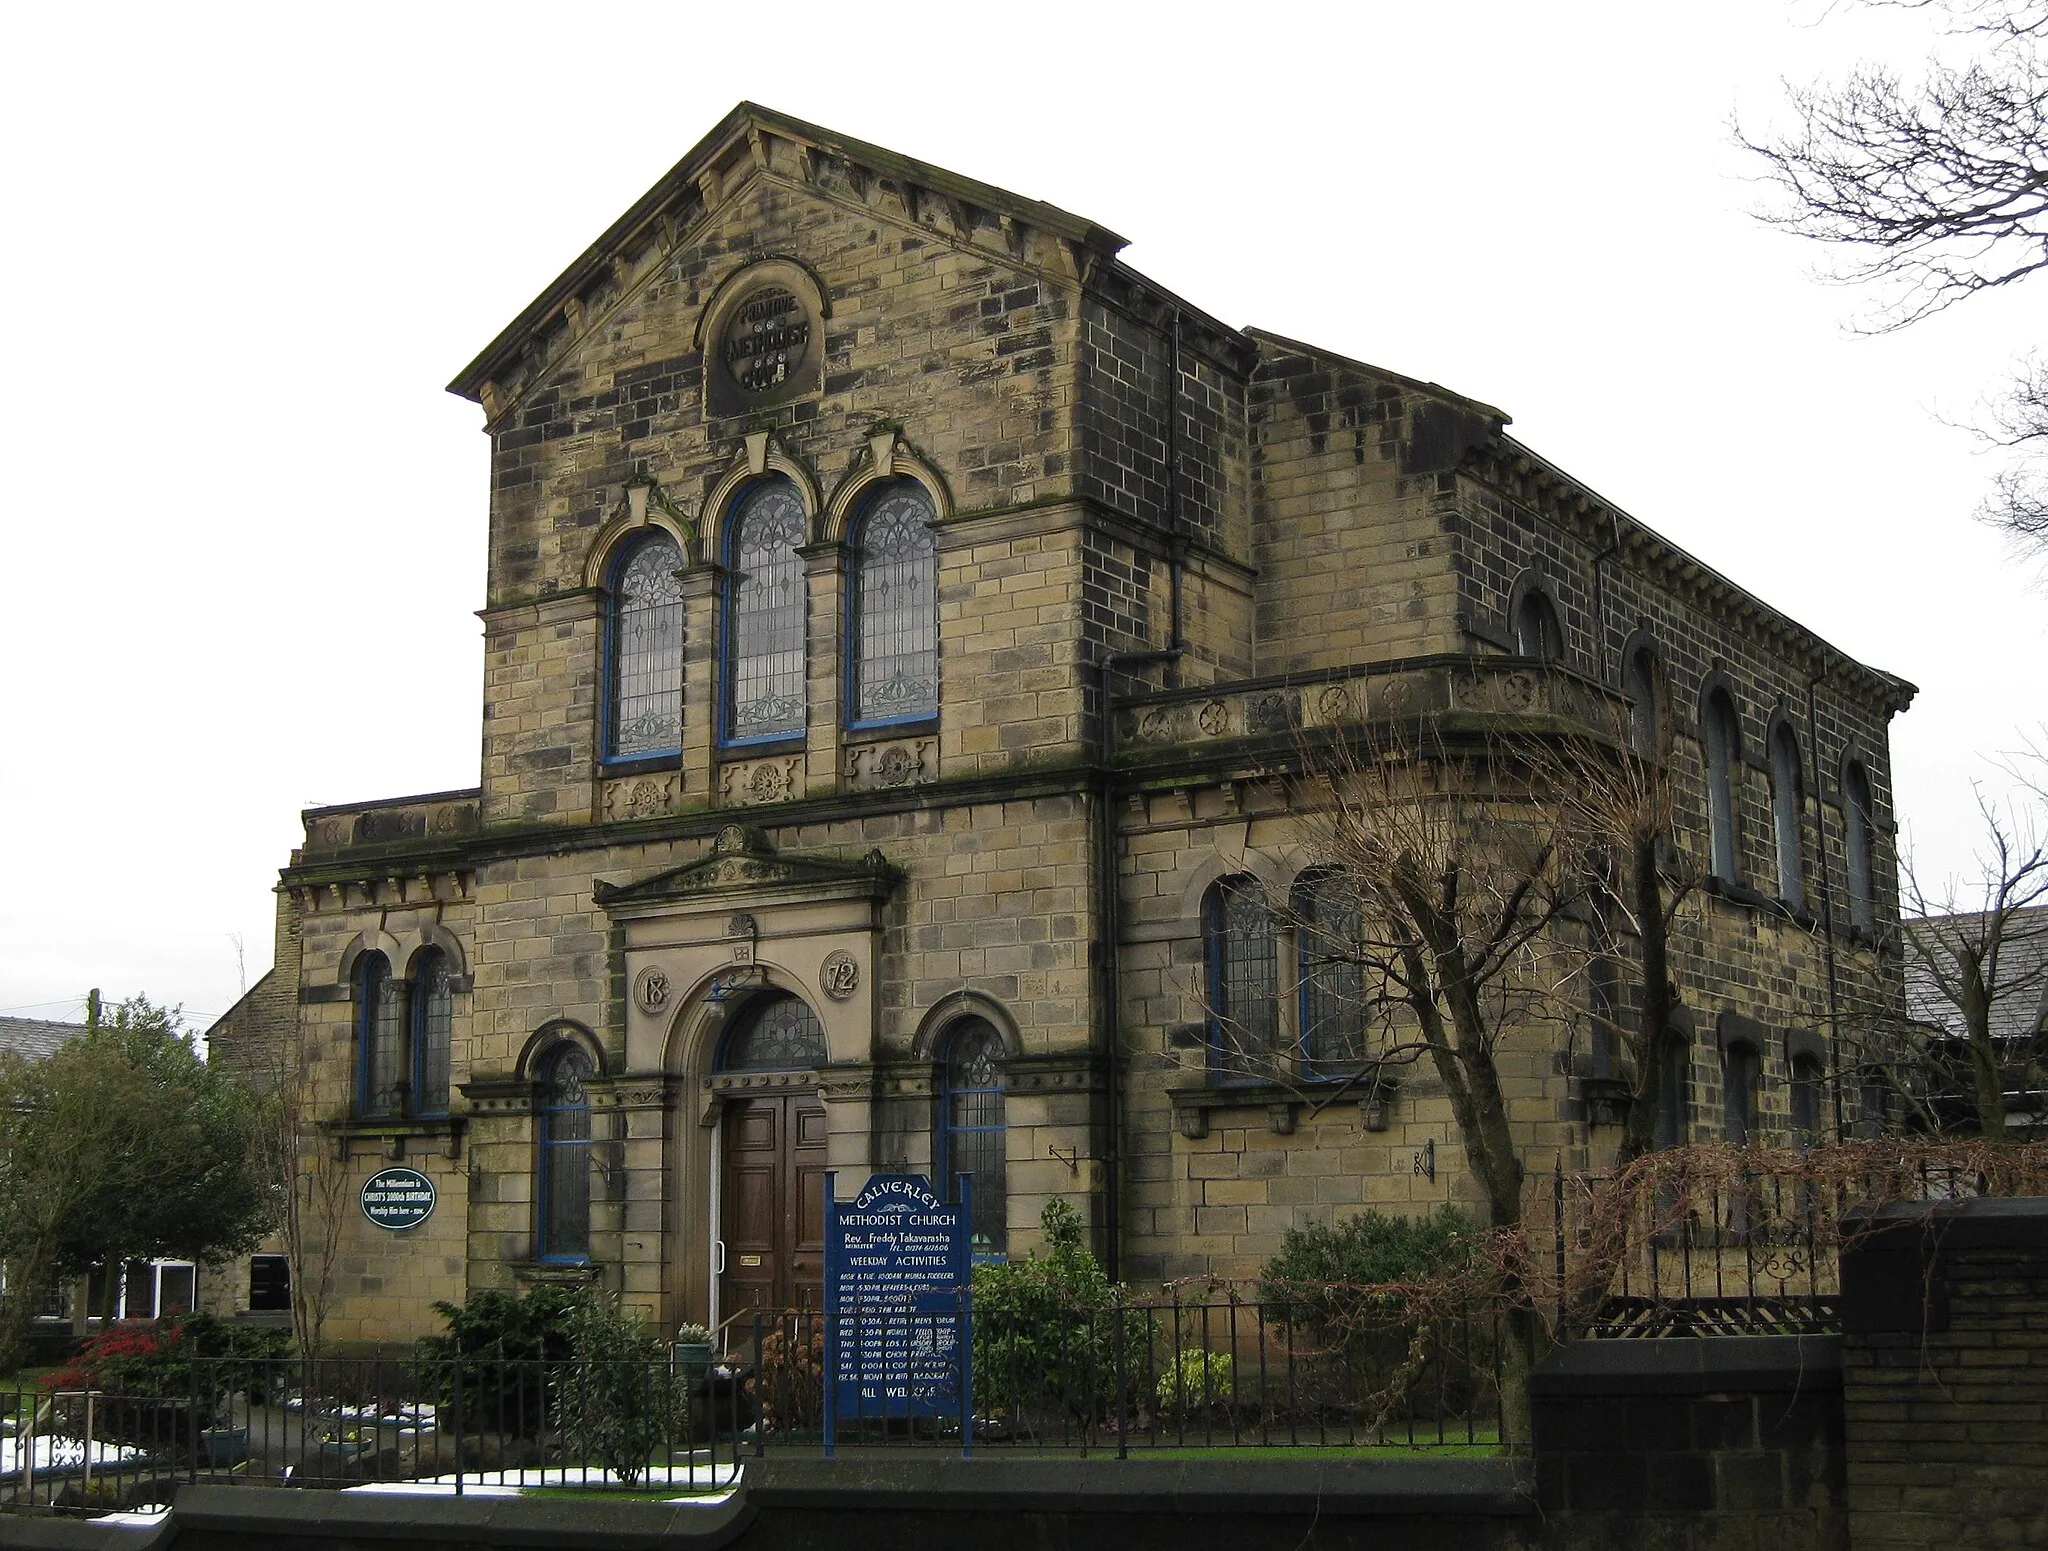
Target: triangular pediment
(750, 142)
(742, 865)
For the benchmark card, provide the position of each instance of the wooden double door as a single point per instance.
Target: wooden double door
(772, 1217)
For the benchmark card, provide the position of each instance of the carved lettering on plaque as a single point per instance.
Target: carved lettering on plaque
(839, 976)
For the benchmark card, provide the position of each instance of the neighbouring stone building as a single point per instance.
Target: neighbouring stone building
(898, 610)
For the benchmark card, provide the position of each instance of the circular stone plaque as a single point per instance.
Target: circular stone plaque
(398, 1198)
(839, 976)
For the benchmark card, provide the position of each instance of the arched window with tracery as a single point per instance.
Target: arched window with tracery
(380, 1038)
(775, 1032)
(565, 1140)
(1331, 1000)
(895, 617)
(1238, 954)
(644, 713)
(971, 1128)
(433, 1019)
(764, 614)
(1859, 833)
(1786, 804)
(1721, 747)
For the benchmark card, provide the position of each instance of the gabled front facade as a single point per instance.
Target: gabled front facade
(897, 611)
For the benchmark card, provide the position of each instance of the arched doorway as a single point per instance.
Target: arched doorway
(772, 1209)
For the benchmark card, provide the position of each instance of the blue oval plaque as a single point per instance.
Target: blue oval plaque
(398, 1198)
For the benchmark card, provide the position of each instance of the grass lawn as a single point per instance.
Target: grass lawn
(635, 1494)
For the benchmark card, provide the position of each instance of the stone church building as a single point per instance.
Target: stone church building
(898, 610)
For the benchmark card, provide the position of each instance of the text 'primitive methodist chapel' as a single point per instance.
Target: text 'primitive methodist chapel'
(909, 632)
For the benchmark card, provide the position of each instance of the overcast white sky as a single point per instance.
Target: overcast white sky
(242, 527)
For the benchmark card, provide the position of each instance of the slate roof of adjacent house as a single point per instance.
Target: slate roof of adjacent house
(2019, 1001)
(35, 1037)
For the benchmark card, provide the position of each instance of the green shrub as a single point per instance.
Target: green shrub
(1323, 1271)
(1198, 1378)
(1049, 1331)
(616, 1400)
(500, 1345)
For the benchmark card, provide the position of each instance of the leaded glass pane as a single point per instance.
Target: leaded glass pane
(971, 1113)
(775, 1033)
(765, 601)
(647, 646)
(382, 1031)
(433, 1021)
(1720, 738)
(1243, 994)
(896, 609)
(1332, 979)
(565, 1157)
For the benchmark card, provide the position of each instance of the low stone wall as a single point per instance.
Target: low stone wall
(1945, 1377)
(1692, 1442)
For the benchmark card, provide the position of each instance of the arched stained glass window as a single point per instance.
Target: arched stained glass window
(1858, 836)
(1329, 926)
(1721, 748)
(764, 615)
(776, 1032)
(565, 1157)
(971, 1139)
(1785, 825)
(433, 1017)
(380, 1034)
(647, 650)
(895, 608)
(1237, 942)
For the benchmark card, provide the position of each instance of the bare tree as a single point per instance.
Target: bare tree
(1931, 193)
(1979, 952)
(311, 1183)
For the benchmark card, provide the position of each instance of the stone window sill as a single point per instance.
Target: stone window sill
(399, 1137)
(1282, 1102)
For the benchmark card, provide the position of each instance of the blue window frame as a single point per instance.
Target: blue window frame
(893, 614)
(565, 1157)
(971, 1130)
(644, 657)
(380, 1041)
(433, 1018)
(763, 647)
(1238, 956)
(1330, 996)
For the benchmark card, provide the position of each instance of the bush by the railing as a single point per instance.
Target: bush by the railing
(499, 1343)
(1048, 1330)
(1197, 1379)
(155, 1357)
(1316, 1277)
(616, 1400)
(787, 1387)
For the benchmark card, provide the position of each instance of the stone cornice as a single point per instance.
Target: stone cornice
(1524, 477)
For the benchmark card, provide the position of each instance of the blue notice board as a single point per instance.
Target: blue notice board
(897, 1309)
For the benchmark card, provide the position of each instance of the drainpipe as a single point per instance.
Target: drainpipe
(1109, 994)
(1177, 543)
(1827, 892)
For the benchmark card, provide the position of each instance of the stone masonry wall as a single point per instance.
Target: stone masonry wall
(1945, 1376)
